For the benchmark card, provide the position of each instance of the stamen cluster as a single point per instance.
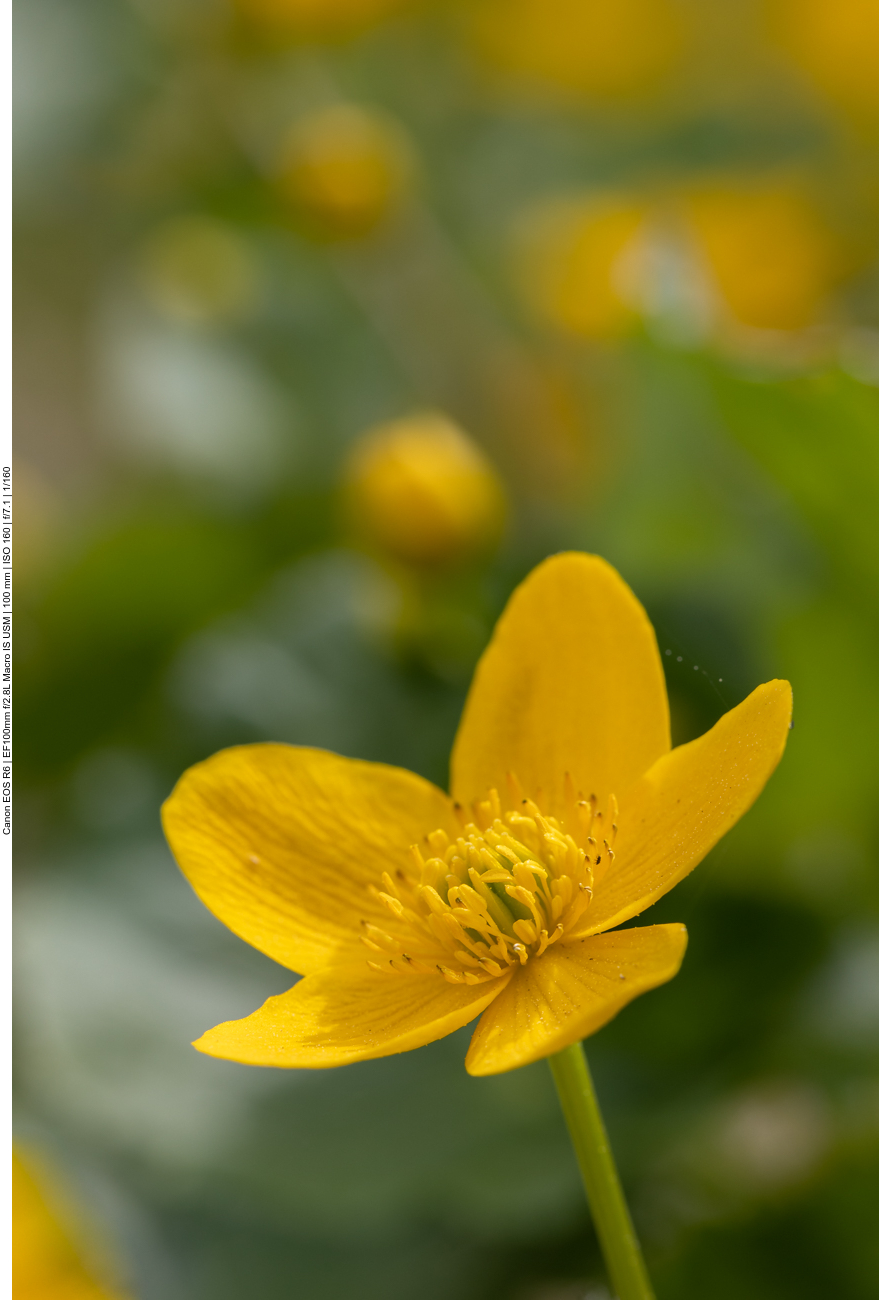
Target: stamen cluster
(512, 883)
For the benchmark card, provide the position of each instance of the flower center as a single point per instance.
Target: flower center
(512, 883)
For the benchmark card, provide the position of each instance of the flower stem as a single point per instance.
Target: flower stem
(610, 1214)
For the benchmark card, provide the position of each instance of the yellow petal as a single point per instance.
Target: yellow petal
(570, 991)
(687, 801)
(46, 1261)
(282, 843)
(571, 682)
(349, 1014)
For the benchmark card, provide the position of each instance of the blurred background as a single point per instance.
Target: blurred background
(334, 318)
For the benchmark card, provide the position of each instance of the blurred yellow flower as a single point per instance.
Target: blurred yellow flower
(421, 492)
(316, 18)
(198, 270)
(581, 47)
(769, 256)
(836, 44)
(45, 1263)
(343, 168)
(578, 261)
(410, 912)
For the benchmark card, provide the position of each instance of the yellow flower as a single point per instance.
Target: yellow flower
(421, 492)
(579, 261)
(581, 47)
(343, 169)
(410, 912)
(770, 257)
(836, 45)
(45, 1263)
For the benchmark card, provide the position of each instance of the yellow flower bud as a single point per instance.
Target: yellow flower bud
(584, 48)
(421, 492)
(343, 169)
(315, 18)
(579, 262)
(199, 271)
(770, 258)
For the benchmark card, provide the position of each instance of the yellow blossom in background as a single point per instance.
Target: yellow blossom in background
(305, 19)
(770, 258)
(580, 47)
(45, 1263)
(835, 43)
(343, 169)
(410, 912)
(421, 492)
(198, 271)
(578, 262)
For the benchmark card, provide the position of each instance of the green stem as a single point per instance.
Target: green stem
(610, 1214)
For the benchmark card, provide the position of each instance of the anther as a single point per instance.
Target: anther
(393, 903)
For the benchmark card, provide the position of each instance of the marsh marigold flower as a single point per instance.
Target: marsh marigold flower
(835, 43)
(410, 912)
(343, 168)
(581, 48)
(578, 261)
(421, 492)
(770, 257)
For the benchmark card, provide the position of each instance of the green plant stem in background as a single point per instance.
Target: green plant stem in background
(610, 1213)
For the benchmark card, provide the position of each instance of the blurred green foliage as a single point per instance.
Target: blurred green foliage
(187, 580)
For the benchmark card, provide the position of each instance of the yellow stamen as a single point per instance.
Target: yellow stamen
(510, 885)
